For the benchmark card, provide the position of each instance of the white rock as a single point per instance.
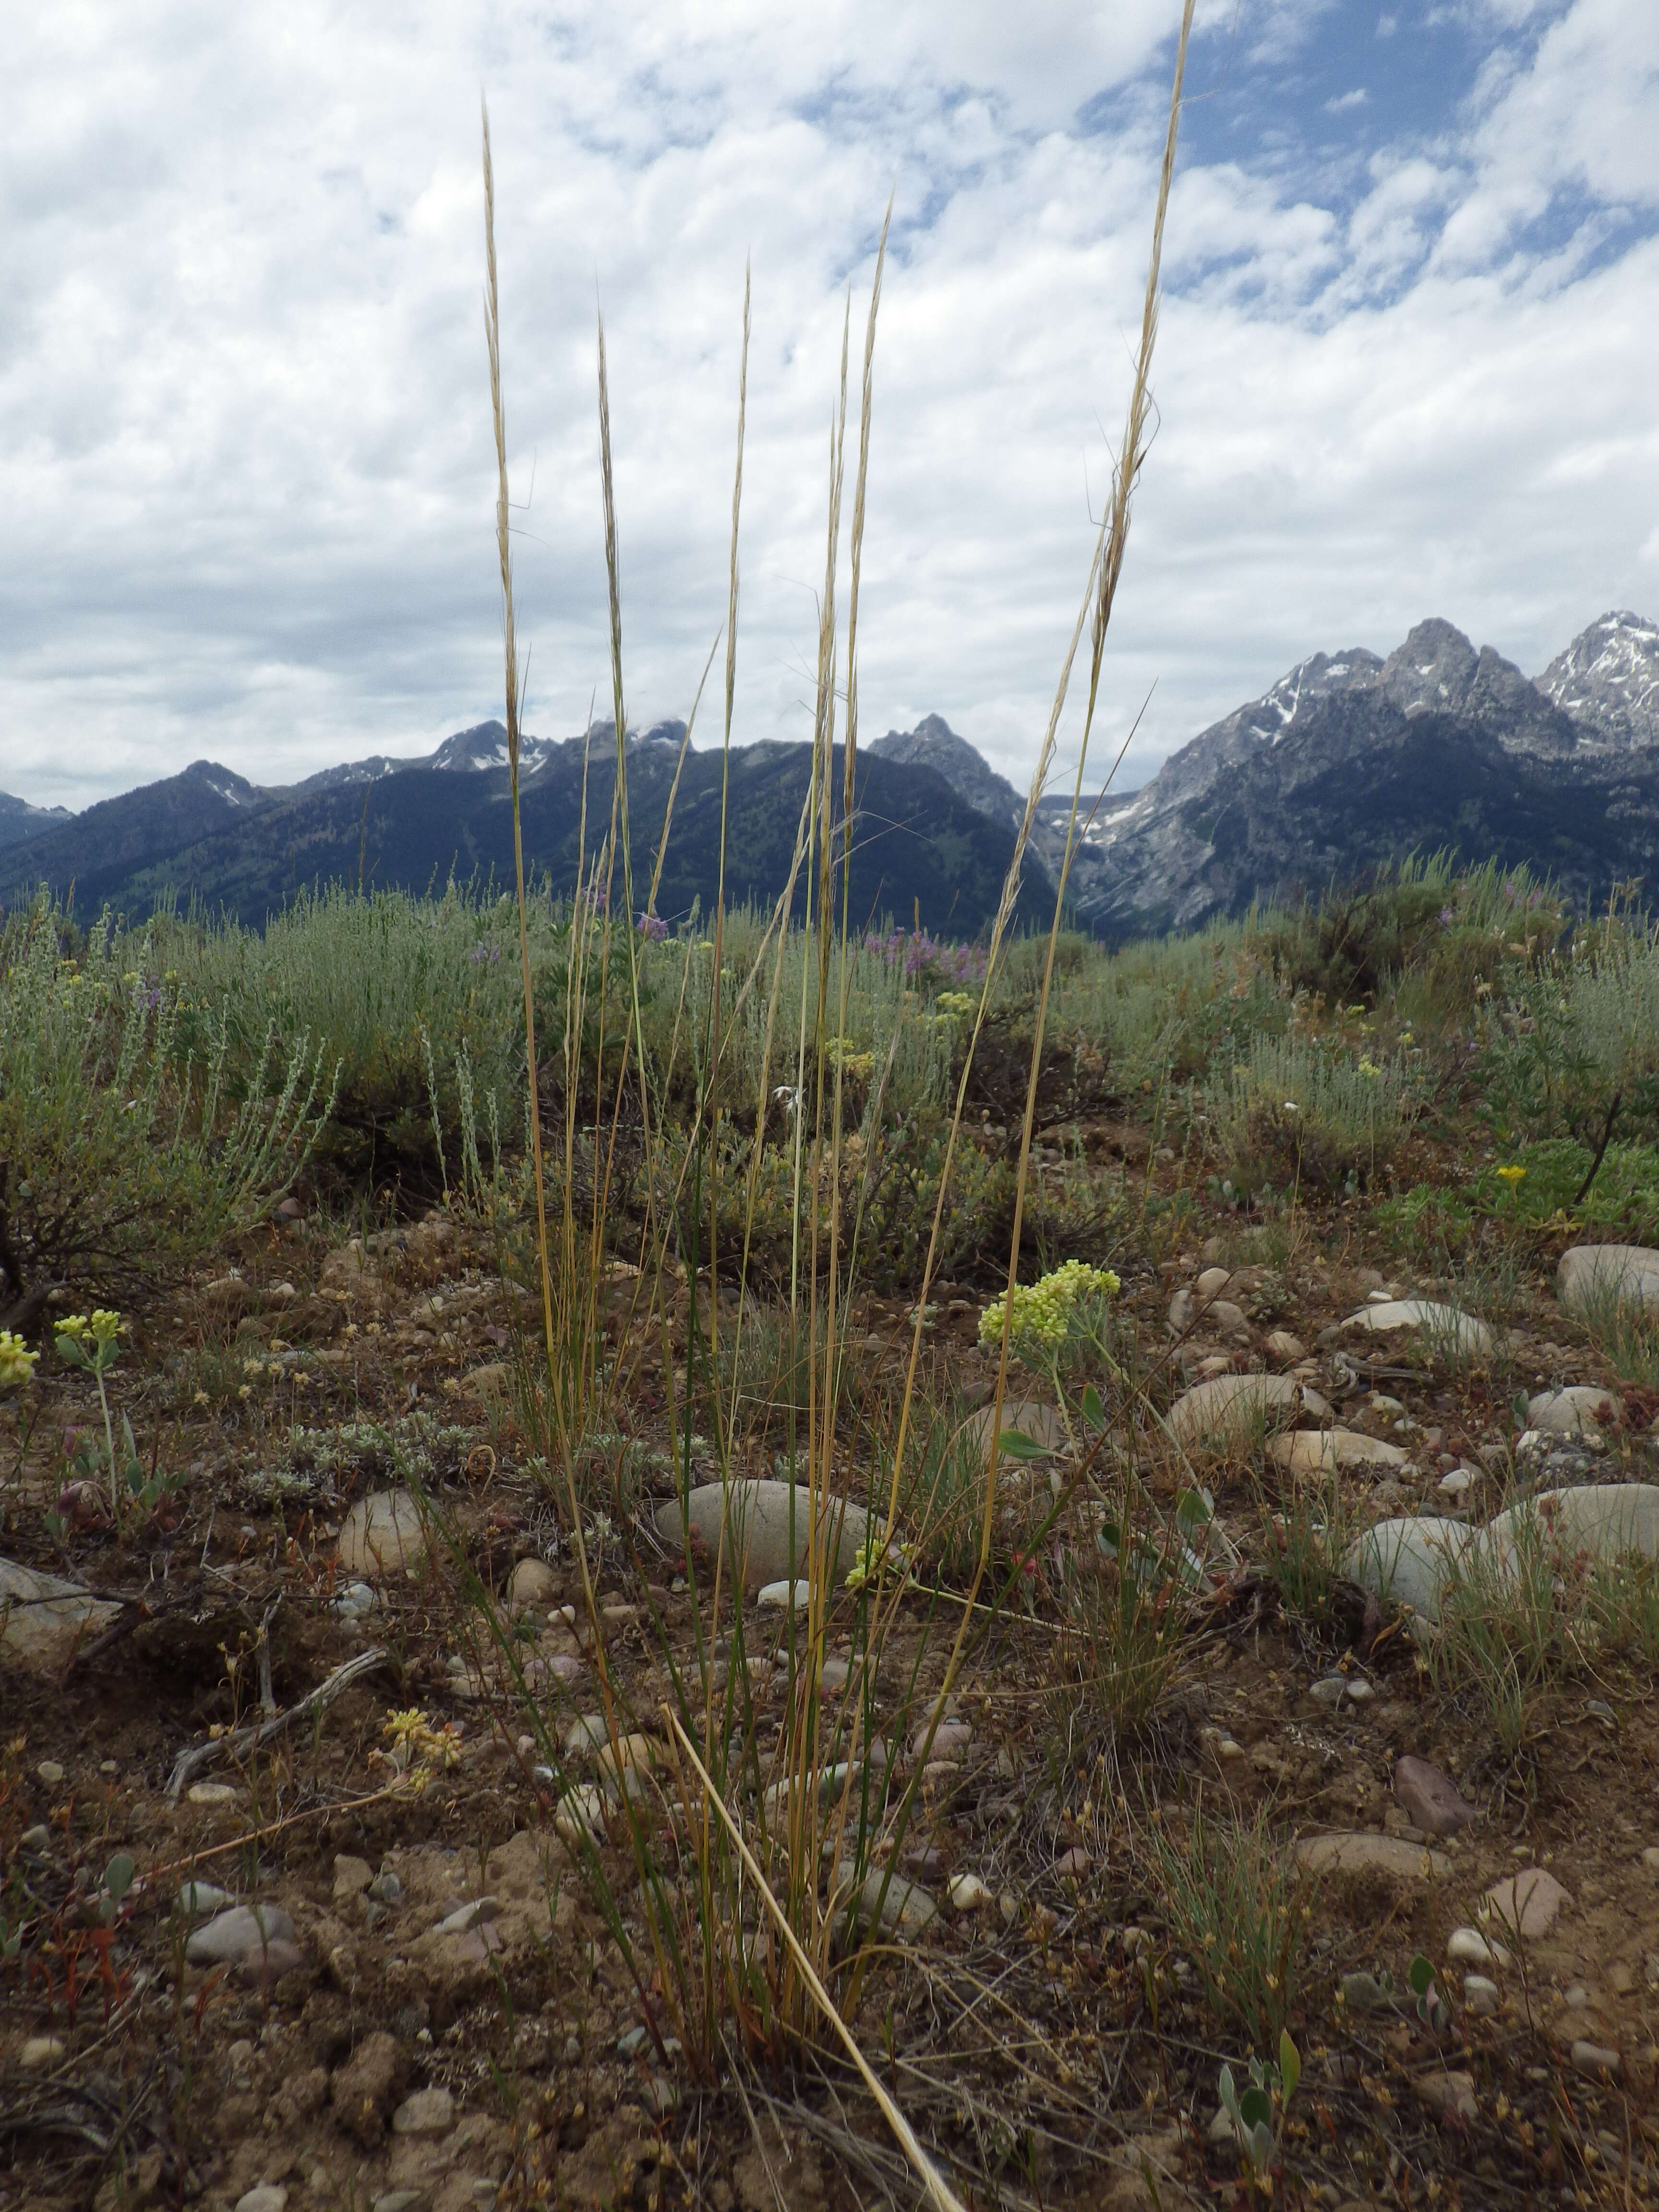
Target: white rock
(1183, 1308)
(1591, 1272)
(43, 1619)
(1446, 1324)
(1604, 1520)
(532, 1583)
(1212, 1283)
(382, 1533)
(214, 1793)
(1367, 1854)
(1410, 1560)
(1467, 1947)
(1313, 1451)
(267, 2198)
(1285, 1348)
(968, 1893)
(40, 2050)
(466, 1917)
(579, 1817)
(1582, 1409)
(1228, 1408)
(765, 1528)
(245, 1928)
(784, 1597)
(198, 1899)
(1457, 1484)
(893, 1903)
(1480, 1995)
(427, 2112)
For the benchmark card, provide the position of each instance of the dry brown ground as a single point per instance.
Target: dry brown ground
(1053, 2047)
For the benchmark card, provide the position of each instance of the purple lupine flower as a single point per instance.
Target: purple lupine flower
(652, 927)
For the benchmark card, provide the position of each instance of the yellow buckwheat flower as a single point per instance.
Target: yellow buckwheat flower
(16, 1360)
(1042, 1312)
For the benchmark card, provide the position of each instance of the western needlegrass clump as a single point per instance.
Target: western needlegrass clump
(818, 1023)
(1520, 1625)
(1240, 1911)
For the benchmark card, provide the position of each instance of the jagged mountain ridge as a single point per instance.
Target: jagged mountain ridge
(1607, 680)
(919, 846)
(19, 820)
(1349, 760)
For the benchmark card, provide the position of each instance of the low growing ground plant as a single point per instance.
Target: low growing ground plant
(1240, 1911)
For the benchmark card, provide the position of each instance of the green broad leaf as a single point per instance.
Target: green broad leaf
(1194, 1508)
(1255, 2109)
(1094, 1411)
(70, 1352)
(1290, 2064)
(117, 1876)
(1018, 1445)
(1420, 1975)
(1229, 2093)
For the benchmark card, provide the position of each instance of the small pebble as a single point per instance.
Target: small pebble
(1467, 1947)
(427, 2112)
(385, 1888)
(1650, 1858)
(213, 1793)
(1074, 1864)
(1595, 2059)
(50, 1773)
(41, 2050)
(785, 1596)
(1480, 1995)
(1457, 1484)
(109, 1767)
(267, 2198)
(37, 1838)
(629, 2045)
(967, 1893)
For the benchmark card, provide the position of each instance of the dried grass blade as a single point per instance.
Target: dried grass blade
(939, 2191)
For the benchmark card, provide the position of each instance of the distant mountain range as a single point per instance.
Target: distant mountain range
(1349, 761)
(920, 849)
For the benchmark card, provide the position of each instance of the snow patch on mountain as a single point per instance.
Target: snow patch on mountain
(1607, 679)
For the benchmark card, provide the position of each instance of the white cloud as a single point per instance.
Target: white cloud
(244, 453)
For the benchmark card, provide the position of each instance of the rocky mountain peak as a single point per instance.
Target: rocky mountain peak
(933, 744)
(1437, 671)
(1607, 679)
(483, 746)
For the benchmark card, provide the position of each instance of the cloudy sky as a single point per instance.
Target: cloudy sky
(1405, 365)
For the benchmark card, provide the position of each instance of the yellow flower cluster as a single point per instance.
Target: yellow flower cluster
(857, 1067)
(103, 1327)
(16, 1360)
(1042, 1311)
(422, 1750)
